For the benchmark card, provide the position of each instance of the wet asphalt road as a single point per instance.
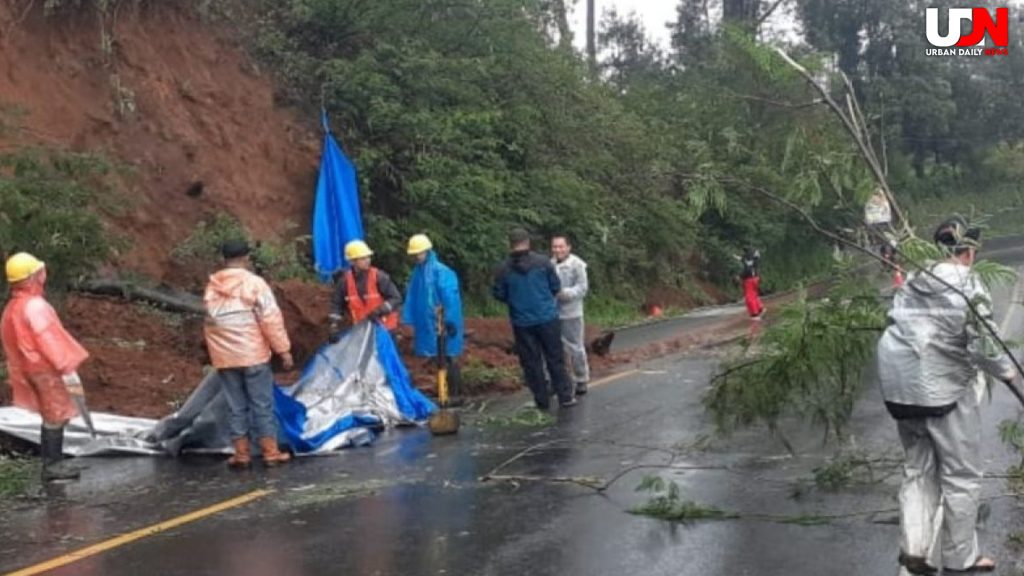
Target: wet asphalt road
(414, 505)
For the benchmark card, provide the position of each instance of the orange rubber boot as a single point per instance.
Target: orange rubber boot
(271, 455)
(242, 457)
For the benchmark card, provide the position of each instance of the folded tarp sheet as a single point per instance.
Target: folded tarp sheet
(346, 391)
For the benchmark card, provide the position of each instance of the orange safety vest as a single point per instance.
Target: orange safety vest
(360, 308)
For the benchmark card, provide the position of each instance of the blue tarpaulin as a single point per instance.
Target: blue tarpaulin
(337, 218)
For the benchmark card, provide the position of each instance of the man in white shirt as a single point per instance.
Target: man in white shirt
(572, 271)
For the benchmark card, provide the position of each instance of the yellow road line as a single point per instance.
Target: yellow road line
(123, 539)
(613, 378)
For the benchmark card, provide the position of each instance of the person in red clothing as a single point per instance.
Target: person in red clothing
(42, 360)
(751, 277)
(365, 291)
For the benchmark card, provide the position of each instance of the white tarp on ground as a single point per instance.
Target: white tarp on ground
(345, 392)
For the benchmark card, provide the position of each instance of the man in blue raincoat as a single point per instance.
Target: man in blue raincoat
(434, 285)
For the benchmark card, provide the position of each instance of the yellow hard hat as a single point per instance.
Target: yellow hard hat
(419, 244)
(357, 249)
(21, 266)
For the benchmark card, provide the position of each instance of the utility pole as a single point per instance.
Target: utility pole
(591, 33)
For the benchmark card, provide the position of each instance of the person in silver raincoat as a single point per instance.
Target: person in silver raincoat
(928, 362)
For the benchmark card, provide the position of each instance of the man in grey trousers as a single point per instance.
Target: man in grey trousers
(572, 271)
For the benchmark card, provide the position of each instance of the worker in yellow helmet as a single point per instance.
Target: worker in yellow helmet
(434, 285)
(42, 360)
(365, 291)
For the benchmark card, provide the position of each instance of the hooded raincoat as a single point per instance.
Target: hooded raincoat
(433, 284)
(244, 325)
(39, 351)
(928, 363)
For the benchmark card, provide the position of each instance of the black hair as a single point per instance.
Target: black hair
(957, 235)
(234, 249)
(518, 236)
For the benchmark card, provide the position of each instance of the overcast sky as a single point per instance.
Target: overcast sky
(656, 13)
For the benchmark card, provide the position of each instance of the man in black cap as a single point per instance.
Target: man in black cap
(244, 327)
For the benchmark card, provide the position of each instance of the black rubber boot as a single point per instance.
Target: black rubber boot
(51, 448)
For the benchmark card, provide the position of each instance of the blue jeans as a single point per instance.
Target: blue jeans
(250, 394)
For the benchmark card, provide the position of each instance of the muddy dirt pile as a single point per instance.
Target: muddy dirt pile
(144, 362)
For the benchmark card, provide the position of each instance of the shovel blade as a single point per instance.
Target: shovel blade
(86, 415)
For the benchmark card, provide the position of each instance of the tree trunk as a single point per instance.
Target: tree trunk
(592, 33)
(181, 302)
(562, 22)
(742, 13)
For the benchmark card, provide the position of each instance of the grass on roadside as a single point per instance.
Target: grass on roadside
(478, 377)
(15, 475)
(524, 417)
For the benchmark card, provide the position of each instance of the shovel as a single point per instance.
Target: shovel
(444, 421)
(79, 400)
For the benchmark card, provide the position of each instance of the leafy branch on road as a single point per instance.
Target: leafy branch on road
(666, 503)
(811, 365)
(856, 468)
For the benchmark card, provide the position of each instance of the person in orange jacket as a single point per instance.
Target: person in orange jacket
(244, 327)
(42, 360)
(364, 291)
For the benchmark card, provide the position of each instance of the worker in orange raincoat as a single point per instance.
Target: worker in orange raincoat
(244, 327)
(42, 360)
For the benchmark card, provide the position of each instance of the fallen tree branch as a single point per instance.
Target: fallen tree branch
(586, 482)
(851, 125)
(768, 13)
(175, 302)
(521, 454)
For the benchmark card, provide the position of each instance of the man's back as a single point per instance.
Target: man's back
(527, 282)
(932, 350)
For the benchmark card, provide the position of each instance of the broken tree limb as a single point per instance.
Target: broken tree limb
(768, 13)
(851, 125)
(180, 302)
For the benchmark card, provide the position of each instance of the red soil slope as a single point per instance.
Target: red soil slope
(175, 101)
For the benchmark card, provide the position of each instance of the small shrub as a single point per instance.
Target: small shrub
(42, 195)
(279, 261)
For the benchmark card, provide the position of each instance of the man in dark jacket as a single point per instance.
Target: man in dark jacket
(528, 284)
